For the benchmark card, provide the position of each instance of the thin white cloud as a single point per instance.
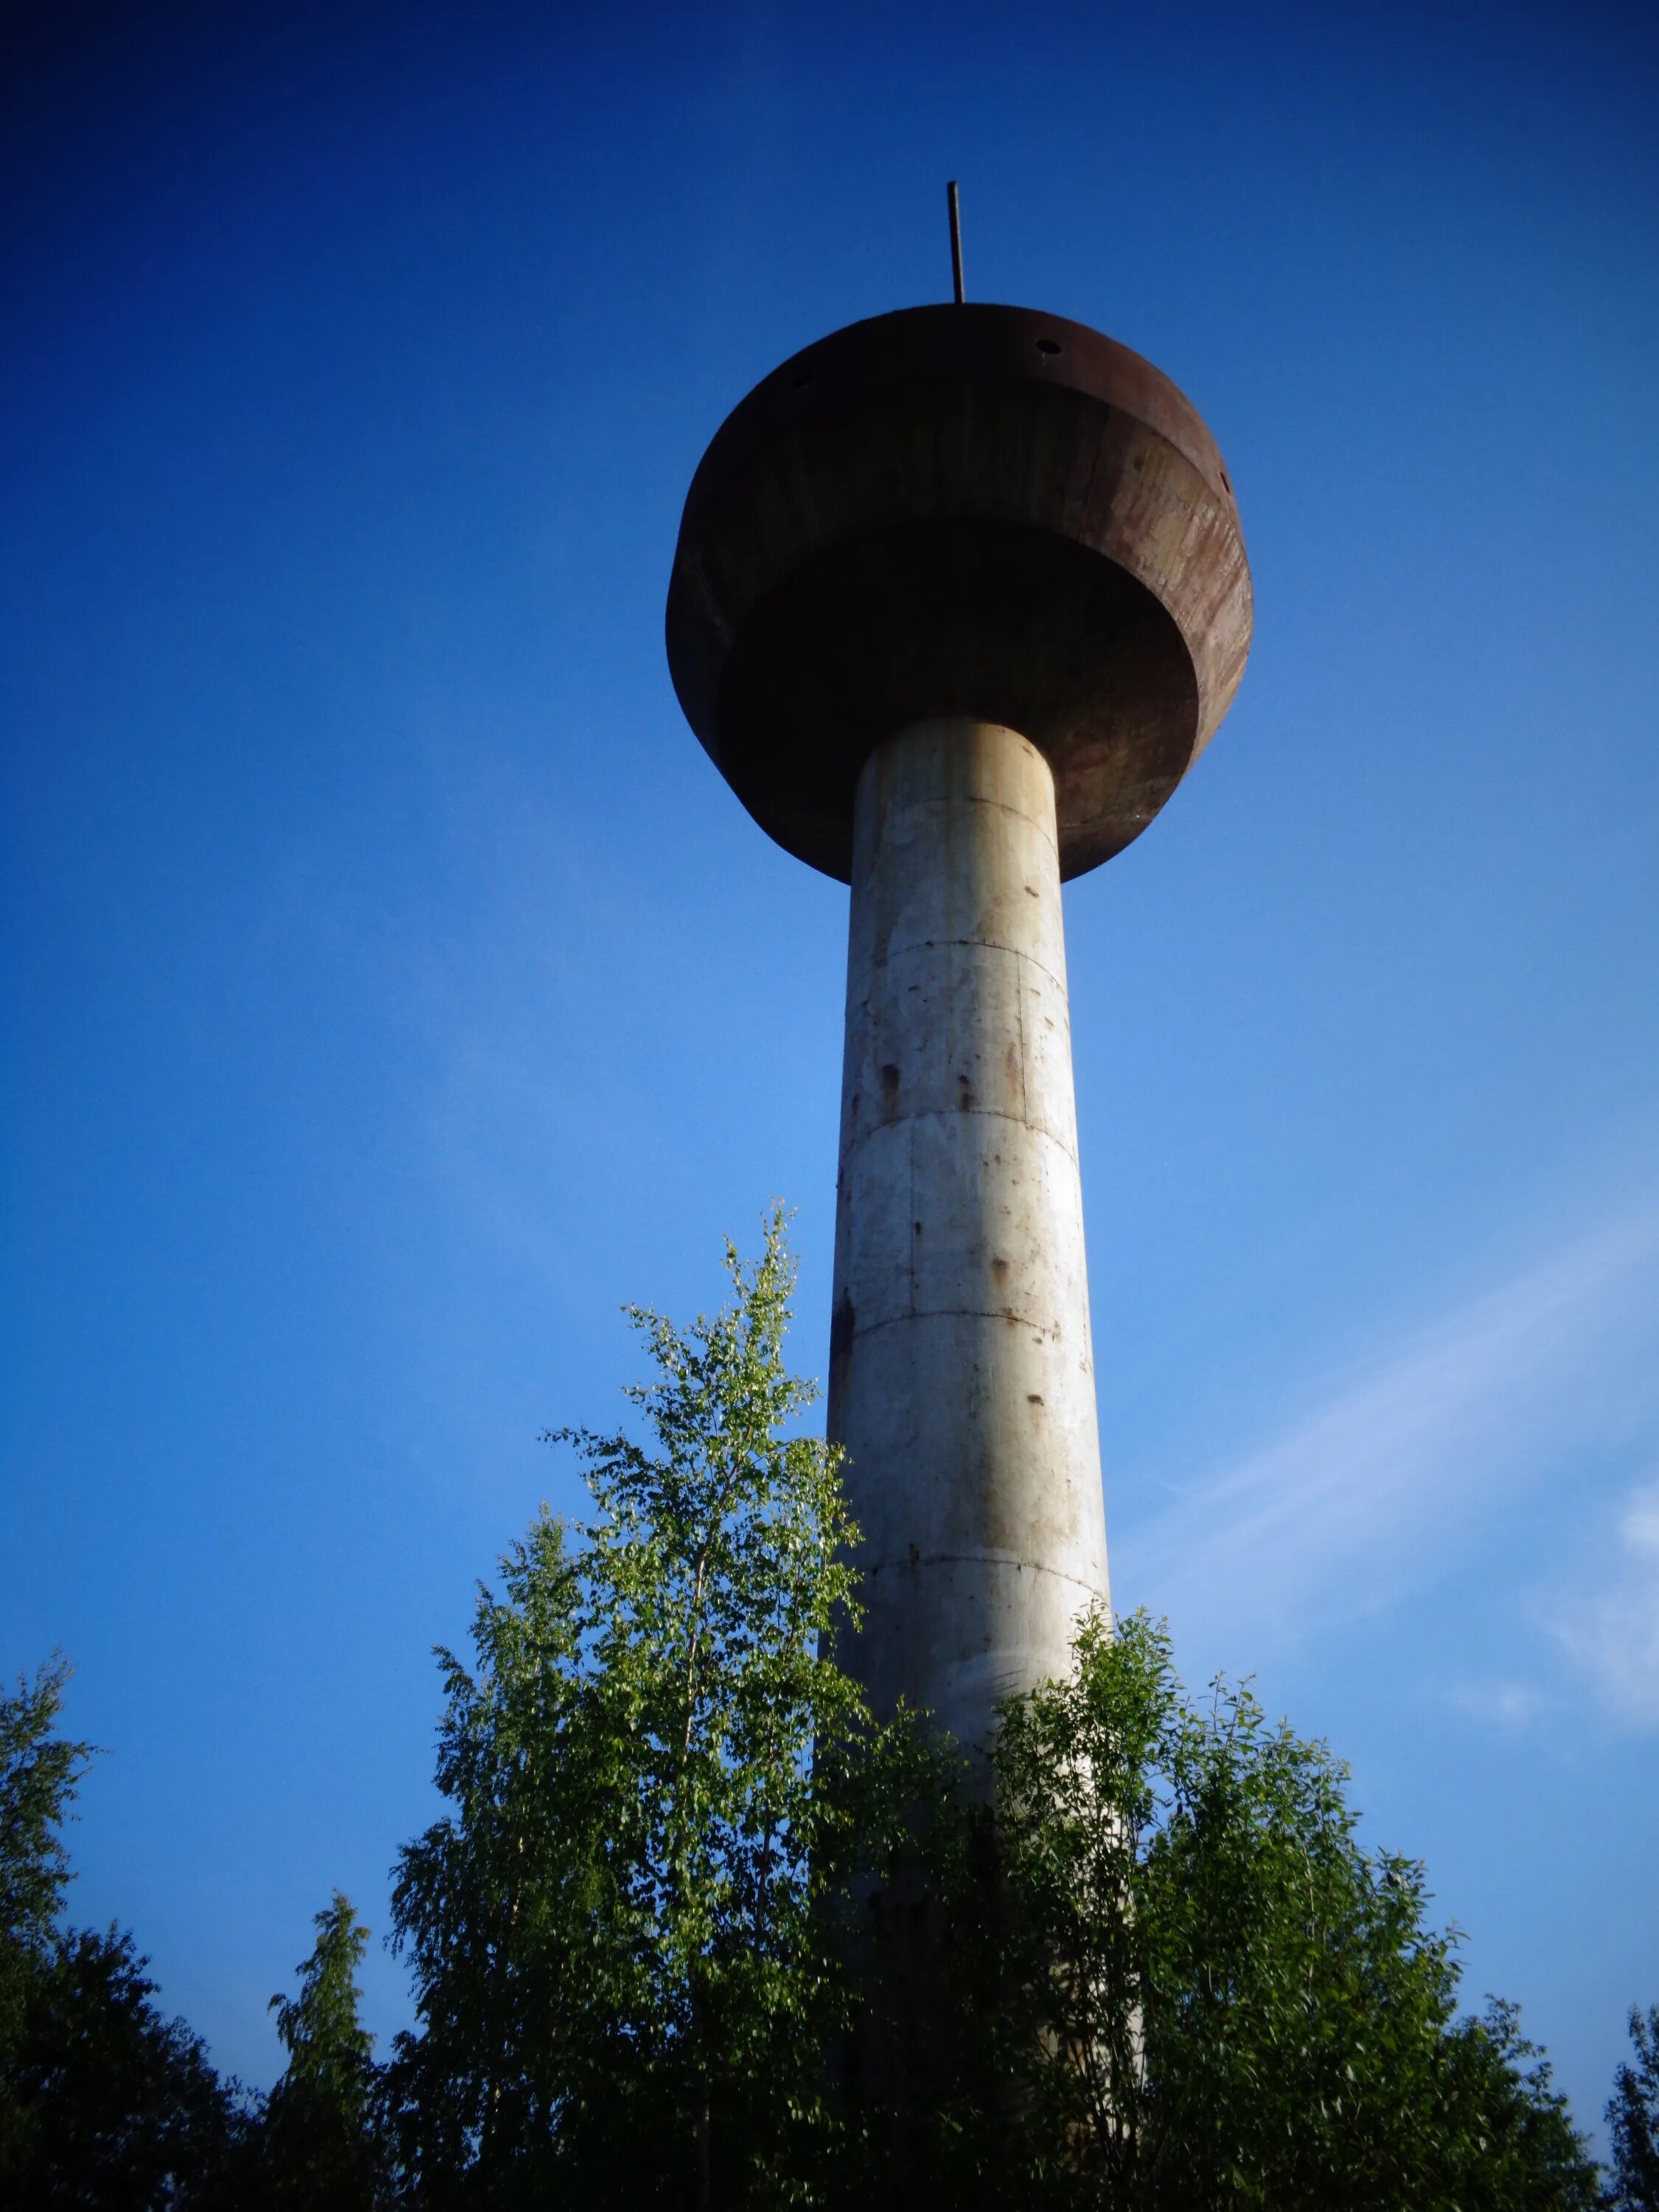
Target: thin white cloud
(1510, 1707)
(1609, 1628)
(1381, 1486)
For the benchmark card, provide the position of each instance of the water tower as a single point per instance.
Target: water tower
(959, 597)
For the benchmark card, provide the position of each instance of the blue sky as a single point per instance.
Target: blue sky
(393, 989)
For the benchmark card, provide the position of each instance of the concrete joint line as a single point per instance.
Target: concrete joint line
(881, 960)
(960, 1114)
(984, 1559)
(862, 1330)
(998, 806)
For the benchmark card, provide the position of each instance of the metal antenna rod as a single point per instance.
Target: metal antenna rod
(955, 205)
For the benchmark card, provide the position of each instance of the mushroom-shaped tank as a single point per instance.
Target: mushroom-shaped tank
(959, 510)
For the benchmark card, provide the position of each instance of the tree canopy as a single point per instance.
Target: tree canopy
(1181, 1981)
(104, 2100)
(321, 2144)
(626, 1979)
(1633, 2120)
(693, 1930)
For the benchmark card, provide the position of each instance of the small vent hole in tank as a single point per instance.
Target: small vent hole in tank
(1049, 346)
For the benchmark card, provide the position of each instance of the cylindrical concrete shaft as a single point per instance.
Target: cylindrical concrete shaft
(961, 1380)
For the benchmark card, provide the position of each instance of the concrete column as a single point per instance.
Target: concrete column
(961, 1378)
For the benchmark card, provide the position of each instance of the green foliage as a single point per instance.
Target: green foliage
(694, 1931)
(624, 1963)
(103, 2100)
(39, 1772)
(1633, 2121)
(111, 2103)
(1189, 1986)
(321, 2145)
(1506, 2141)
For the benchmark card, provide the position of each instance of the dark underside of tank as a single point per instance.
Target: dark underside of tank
(992, 619)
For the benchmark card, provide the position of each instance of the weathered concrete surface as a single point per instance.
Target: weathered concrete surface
(962, 1381)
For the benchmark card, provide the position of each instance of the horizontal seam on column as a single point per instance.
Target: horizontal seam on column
(894, 810)
(981, 1559)
(973, 944)
(949, 1313)
(958, 1113)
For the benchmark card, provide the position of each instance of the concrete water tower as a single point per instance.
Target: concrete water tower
(959, 597)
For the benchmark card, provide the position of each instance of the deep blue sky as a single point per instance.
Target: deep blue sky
(393, 989)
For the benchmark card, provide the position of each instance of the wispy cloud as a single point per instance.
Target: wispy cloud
(1381, 1486)
(1609, 1626)
(1509, 1706)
